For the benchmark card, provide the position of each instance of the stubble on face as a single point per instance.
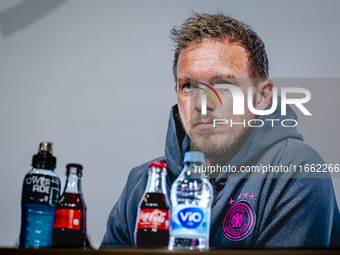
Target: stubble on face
(217, 149)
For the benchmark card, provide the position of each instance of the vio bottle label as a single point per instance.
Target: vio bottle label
(189, 221)
(190, 217)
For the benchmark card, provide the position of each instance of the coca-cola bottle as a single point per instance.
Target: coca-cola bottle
(153, 217)
(69, 229)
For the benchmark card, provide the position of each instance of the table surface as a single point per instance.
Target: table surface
(151, 251)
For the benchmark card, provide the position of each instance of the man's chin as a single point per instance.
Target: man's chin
(217, 147)
(211, 146)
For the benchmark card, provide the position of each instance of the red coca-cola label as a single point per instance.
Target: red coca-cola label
(67, 218)
(153, 218)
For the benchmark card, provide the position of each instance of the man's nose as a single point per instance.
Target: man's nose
(203, 102)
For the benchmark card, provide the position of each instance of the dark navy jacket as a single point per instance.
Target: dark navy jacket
(272, 210)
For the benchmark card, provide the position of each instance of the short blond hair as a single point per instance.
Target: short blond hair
(221, 27)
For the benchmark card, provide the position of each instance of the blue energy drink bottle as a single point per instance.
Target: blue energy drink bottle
(40, 194)
(191, 199)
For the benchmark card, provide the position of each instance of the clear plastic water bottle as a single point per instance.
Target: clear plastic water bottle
(191, 199)
(40, 194)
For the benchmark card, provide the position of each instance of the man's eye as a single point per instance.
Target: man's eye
(223, 82)
(186, 86)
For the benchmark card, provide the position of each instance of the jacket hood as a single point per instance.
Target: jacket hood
(257, 143)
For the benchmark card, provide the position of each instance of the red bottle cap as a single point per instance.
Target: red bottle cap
(158, 164)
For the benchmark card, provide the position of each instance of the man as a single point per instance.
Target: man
(278, 209)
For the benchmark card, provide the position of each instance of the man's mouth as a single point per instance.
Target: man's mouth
(204, 124)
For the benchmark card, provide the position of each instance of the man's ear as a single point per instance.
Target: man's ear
(264, 93)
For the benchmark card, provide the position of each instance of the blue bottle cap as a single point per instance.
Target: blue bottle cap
(194, 156)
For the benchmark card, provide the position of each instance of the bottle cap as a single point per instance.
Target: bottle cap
(74, 168)
(194, 156)
(157, 167)
(45, 146)
(159, 164)
(44, 159)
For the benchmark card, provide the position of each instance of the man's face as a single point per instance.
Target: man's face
(212, 62)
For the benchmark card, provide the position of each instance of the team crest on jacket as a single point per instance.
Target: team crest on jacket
(239, 221)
